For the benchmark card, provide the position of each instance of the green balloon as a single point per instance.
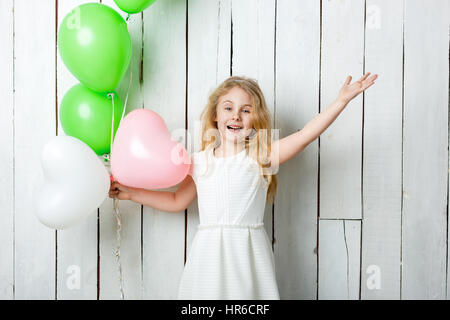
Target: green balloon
(87, 115)
(95, 45)
(133, 6)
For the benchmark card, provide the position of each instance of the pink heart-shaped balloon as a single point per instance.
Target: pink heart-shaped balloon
(144, 154)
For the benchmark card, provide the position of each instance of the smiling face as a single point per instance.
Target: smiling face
(235, 110)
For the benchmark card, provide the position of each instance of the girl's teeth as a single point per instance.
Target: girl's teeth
(233, 129)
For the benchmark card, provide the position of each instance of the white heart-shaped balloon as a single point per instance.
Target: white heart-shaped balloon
(75, 183)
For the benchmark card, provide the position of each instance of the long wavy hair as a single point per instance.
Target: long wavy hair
(257, 144)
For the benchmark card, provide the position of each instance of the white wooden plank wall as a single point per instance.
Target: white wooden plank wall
(7, 152)
(76, 254)
(131, 243)
(164, 62)
(382, 153)
(34, 258)
(296, 102)
(425, 154)
(361, 213)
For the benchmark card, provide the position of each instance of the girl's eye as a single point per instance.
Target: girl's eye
(247, 111)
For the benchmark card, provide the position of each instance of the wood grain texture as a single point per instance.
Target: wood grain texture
(164, 90)
(342, 54)
(297, 101)
(425, 151)
(34, 126)
(378, 176)
(7, 151)
(339, 259)
(131, 235)
(76, 246)
(382, 161)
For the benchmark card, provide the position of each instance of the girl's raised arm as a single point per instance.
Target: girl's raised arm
(288, 147)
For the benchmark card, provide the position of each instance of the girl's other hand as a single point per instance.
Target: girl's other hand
(349, 91)
(120, 191)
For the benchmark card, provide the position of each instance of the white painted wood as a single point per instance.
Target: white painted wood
(34, 125)
(131, 238)
(339, 259)
(297, 92)
(208, 65)
(341, 144)
(130, 251)
(164, 88)
(253, 24)
(7, 153)
(76, 246)
(425, 153)
(34, 266)
(382, 184)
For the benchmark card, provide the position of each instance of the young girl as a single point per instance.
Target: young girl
(233, 175)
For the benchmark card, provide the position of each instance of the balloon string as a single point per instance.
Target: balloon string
(126, 97)
(115, 200)
(111, 94)
(112, 124)
(119, 228)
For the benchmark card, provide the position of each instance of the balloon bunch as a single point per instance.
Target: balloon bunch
(95, 45)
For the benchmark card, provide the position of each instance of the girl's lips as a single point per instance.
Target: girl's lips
(233, 130)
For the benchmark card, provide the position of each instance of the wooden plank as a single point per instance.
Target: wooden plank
(77, 246)
(34, 126)
(208, 65)
(297, 91)
(425, 152)
(339, 259)
(253, 24)
(164, 87)
(131, 247)
(341, 144)
(7, 154)
(381, 228)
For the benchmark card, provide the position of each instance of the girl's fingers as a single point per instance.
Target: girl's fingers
(348, 80)
(364, 77)
(115, 185)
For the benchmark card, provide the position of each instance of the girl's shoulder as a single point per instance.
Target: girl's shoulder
(197, 158)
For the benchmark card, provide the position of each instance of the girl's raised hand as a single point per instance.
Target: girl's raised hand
(119, 191)
(349, 91)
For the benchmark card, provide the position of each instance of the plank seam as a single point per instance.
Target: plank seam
(141, 83)
(217, 43)
(362, 155)
(274, 107)
(56, 128)
(231, 45)
(98, 254)
(14, 151)
(347, 258)
(448, 170)
(403, 126)
(186, 117)
(318, 156)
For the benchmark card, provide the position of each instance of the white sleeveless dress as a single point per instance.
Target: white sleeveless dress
(231, 255)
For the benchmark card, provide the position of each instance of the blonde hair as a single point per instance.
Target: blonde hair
(258, 144)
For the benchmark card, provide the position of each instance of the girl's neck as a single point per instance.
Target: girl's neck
(225, 150)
